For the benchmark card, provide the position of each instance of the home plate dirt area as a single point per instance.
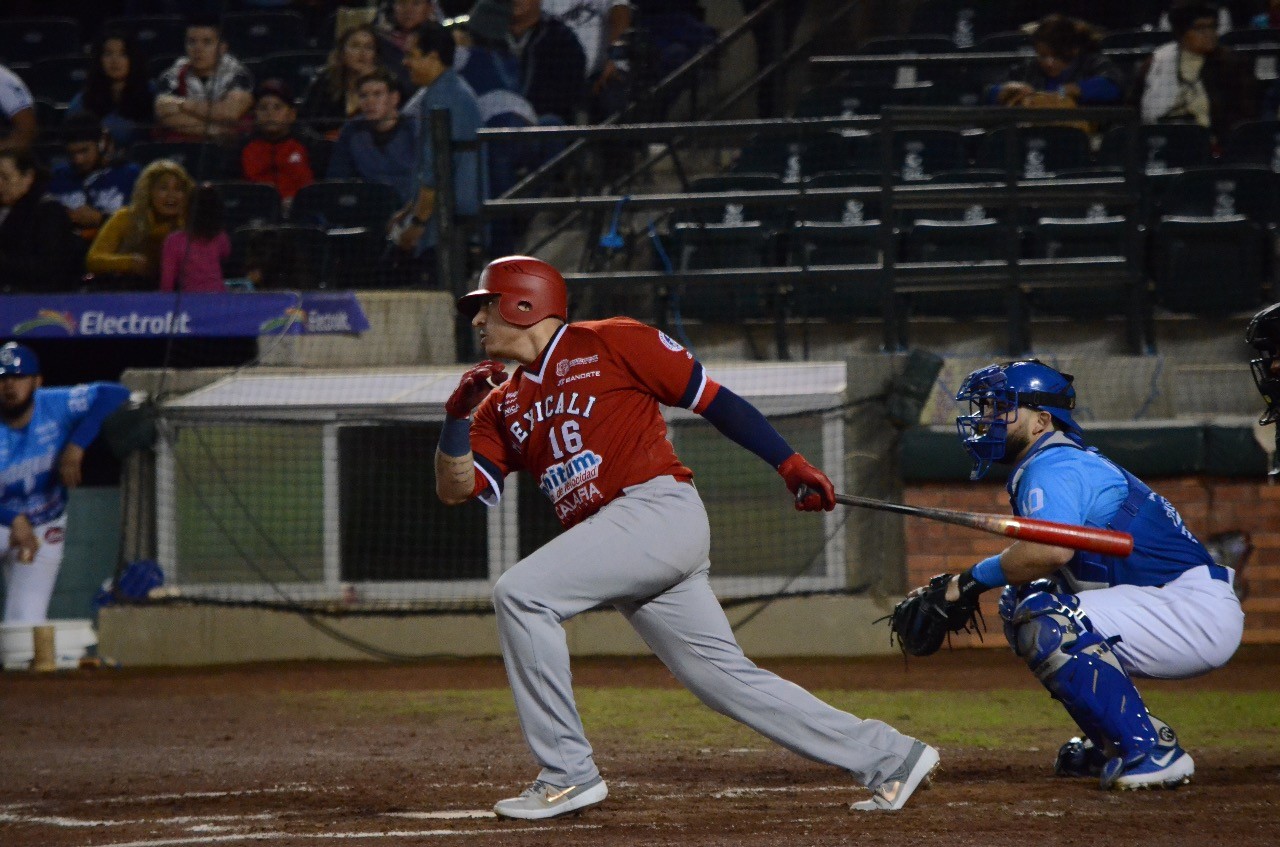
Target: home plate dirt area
(364, 754)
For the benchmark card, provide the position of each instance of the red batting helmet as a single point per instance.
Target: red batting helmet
(528, 290)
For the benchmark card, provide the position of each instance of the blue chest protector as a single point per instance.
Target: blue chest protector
(1163, 547)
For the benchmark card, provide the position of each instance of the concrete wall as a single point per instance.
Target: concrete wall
(195, 635)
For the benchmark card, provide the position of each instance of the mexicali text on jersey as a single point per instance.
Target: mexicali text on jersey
(585, 418)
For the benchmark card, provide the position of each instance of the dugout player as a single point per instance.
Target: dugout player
(1085, 623)
(581, 414)
(42, 444)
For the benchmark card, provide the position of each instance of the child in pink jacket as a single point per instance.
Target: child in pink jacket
(191, 261)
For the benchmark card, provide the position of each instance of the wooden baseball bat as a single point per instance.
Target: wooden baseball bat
(1108, 542)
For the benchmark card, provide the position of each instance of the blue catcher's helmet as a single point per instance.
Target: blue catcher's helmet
(996, 390)
(18, 360)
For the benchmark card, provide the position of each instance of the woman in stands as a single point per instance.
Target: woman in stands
(1068, 69)
(39, 250)
(126, 253)
(331, 98)
(117, 90)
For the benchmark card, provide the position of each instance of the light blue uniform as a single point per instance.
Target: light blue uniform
(1172, 607)
(30, 485)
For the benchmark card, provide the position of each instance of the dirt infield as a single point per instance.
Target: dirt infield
(266, 754)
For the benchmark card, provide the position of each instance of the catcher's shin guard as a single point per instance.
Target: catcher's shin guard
(1056, 640)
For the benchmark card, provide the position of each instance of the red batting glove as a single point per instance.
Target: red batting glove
(818, 495)
(474, 386)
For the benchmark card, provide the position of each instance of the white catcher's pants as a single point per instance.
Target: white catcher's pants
(646, 555)
(29, 587)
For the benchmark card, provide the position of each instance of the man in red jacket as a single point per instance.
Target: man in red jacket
(279, 152)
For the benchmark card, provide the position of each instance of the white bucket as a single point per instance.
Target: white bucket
(71, 641)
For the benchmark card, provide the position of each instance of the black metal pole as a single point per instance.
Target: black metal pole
(448, 268)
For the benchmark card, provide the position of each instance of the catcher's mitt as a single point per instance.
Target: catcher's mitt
(922, 621)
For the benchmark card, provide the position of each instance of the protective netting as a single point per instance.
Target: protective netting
(316, 491)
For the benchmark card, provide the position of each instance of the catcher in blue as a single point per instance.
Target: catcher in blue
(42, 444)
(1085, 624)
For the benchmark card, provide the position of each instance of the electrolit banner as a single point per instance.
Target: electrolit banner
(161, 315)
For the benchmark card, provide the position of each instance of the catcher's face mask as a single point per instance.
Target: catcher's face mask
(996, 392)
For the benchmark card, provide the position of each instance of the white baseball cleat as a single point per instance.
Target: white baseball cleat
(540, 800)
(915, 772)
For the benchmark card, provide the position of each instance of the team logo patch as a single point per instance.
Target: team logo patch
(54, 534)
(562, 367)
(669, 342)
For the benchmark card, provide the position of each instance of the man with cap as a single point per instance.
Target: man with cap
(94, 182)
(42, 444)
(582, 414)
(279, 152)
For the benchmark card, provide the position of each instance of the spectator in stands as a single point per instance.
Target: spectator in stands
(18, 128)
(1068, 66)
(600, 26)
(206, 94)
(94, 182)
(380, 145)
(1194, 79)
(279, 152)
(39, 251)
(552, 62)
(331, 98)
(117, 91)
(396, 24)
(191, 259)
(429, 56)
(126, 252)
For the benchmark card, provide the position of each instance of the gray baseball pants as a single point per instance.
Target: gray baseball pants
(646, 554)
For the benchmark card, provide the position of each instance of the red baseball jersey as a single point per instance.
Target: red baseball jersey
(584, 418)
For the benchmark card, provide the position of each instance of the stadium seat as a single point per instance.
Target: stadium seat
(288, 256)
(1137, 38)
(57, 79)
(1075, 238)
(24, 41)
(1161, 147)
(906, 72)
(201, 160)
(1043, 150)
(776, 156)
(957, 241)
(1254, 143)
(836, 243)
(249, 203)
(1008, 41)
(771, 214)
(345, 203)
(253, 35)
(962, 21)
(847, 150)
(921, 153)
(973, 212)
(715, 246)
(1209, 265)
(850, 210)
(1264, 62)
(157, 35)
(297, 68)
(843, 99)
(1223, 191)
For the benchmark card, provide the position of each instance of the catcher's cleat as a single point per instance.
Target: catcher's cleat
(915, 772)
(540, 800)
(1079, 757)
(1166, 765)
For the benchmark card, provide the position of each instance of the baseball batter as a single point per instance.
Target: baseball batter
(581, 414)
(1084, 623)
(42, 447)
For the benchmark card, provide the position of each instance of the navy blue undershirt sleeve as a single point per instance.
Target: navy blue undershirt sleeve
(742, 423)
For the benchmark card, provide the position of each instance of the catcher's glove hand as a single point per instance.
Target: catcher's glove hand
(922, 621)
